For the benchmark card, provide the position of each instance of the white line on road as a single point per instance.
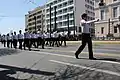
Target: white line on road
(89, 68)
(68, 56)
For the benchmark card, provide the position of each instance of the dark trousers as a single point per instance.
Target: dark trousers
(4, 42)
(27, 43)
(11, 42)
(39, 41)
(43, 43)
(33, 42)
(86, 39)
(8, 43)
(63, 39)
(55, 42)
(15, 43)
(20, 43)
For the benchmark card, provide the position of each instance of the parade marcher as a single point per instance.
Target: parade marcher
(43, 39)
(15, 38)
(11, 39)
(33, 39)
(27, 40)
(52, 39)
(48, 38)
(4, 40)
(20, 39)
(86, 36)
(63, 38)
(39, 40)
(56, 40)
(8, 40)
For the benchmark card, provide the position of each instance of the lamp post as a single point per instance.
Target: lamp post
(74, 22)
(35, 24)
(50, 23)
(55, 19)
(68, 24)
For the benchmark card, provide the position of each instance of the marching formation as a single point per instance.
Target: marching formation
(33, 39)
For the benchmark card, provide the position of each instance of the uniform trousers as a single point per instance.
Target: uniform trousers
(63, 39)
(11, 42)
(33, 42)
(15, 43)
(27, 43)
(85, 39)
(39, 41)
(8, 43)
(4, 42)
(20, 43)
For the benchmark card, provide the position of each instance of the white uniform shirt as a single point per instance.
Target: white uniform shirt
(15, 37)
(34, 36)
(48, 35)
(5, 38)
(27, 35)
(11, 37)
(44, 36)
(20, 36)
(8, 37)
(86, 25)
(39, 35)
(56, 35)
(52, 35)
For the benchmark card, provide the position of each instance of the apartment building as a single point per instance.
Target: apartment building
(73, 8)
(35, 19)
(109, 13)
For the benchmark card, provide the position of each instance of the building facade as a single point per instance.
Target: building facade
(71, 8)
(108, 11)
(35, 19)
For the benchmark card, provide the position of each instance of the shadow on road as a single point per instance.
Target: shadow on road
(12, 70)
(6, 51)
(109, 59)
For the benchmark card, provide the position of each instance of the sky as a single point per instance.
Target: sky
(12, 14)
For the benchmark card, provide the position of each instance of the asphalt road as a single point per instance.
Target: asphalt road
(54, 59)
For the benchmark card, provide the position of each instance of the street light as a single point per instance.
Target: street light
(35, 24)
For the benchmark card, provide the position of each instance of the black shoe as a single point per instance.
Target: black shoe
(92, 58)
(76, 55)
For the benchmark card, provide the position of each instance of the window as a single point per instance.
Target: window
(102, 30)
(115, 29)
(102, 14)
(115, 12)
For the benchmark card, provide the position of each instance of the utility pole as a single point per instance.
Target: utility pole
(50, 24)
(74, 22)
(68, 24)
(55, 19)
(35, 24)
(42, 23)
(50, 21)
(109, 26)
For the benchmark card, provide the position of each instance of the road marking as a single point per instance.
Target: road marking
(53, 54)
(89, 68)
(98, 53)
(60, 55)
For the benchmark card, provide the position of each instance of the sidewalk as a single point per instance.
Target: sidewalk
(98, 42)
